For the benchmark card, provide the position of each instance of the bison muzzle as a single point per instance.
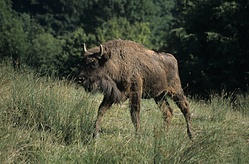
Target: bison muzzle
(124, 70)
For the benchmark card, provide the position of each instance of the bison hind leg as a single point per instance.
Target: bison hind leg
(167, 111)
(183, 104)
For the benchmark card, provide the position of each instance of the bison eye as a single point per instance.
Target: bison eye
(90, 62)
(95, 64)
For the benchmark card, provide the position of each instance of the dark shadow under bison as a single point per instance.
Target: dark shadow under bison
(124, 70)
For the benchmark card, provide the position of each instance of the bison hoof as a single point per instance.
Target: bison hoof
(95, 136)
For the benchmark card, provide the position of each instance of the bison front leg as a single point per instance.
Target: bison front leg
(104, 106)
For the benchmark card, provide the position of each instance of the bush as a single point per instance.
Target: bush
(44, 51)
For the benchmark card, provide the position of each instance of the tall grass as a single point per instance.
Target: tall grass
(46, 120)
(44, 108)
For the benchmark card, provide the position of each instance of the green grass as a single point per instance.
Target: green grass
(46, 120)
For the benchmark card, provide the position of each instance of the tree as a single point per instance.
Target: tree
(57, 17)
(13, 40)
(44, 51)
(120, 28)
(69, 59)
(155, 16)
(62, 16)
(209, 39)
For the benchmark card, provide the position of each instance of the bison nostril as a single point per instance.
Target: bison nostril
(80, 79)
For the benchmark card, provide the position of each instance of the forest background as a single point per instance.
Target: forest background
(209, 38)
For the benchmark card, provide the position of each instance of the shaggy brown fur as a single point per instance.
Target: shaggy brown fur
(124, 69)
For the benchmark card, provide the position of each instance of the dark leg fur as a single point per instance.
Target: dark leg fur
(167, 111)
(135, 111)
(182, 103)
(104, 106)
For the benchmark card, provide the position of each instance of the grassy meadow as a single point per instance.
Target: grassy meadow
(46, 120)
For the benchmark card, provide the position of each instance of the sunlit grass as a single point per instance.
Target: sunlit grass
(46, 120)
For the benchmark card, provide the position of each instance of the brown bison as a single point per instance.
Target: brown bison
(124, 70)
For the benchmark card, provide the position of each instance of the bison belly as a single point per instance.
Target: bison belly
(154, 85)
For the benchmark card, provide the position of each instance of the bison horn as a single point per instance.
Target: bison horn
(84, 47)
(101, 50)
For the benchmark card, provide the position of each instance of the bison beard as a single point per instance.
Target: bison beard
(110, 90)
(106, 85)
(126, 70)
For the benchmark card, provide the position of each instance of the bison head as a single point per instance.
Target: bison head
(91, 68)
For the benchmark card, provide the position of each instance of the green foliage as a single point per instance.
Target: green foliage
(45, 49)
(57, 17)
(72, 51)
(12, 37)
(210, 44)
(120, 28)
(94, 14)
